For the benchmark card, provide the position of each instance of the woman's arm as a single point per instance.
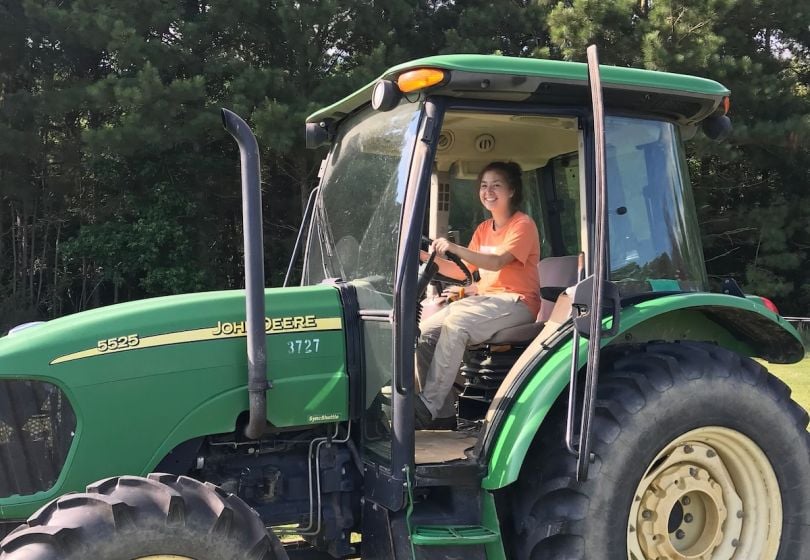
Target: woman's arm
(487, 261)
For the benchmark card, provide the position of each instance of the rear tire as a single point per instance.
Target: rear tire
(128, 517)
(653, 402)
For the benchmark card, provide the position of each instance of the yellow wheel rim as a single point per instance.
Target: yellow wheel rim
(710, 494)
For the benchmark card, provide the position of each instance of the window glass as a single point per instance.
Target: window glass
(355, 231)
(654, 237)
(565, 171)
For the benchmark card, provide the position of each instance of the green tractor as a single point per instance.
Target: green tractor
(629, 421)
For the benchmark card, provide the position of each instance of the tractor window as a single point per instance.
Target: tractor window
(654, 237)
(355, 229)
(563, 200)
(544, 146)
(466, 211)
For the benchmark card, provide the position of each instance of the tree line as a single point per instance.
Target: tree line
(118, 183)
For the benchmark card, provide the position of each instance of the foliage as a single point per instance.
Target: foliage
(117, 182)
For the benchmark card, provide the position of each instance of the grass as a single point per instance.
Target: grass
(797, 376)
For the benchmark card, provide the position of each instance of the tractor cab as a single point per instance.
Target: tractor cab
(403, 166)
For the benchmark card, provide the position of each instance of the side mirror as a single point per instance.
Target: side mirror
(717, 127)
(386, 96)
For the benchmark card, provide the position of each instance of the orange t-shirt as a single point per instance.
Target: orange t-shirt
(520, 238)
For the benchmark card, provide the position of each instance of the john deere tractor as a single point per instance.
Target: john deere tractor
(628, 421)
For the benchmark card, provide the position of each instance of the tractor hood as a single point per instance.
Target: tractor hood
(115, 390)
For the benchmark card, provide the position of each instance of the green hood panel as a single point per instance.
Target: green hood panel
(145, 376)
(742, 325)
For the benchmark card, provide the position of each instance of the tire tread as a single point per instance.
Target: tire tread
(551, 509)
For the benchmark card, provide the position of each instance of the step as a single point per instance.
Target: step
(453, 535)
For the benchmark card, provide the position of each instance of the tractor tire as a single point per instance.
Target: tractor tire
(155, 518)
(697, 453)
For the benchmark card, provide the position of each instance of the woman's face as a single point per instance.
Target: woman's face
(495, 192)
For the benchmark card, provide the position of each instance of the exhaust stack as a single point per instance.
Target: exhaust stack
(254, 271)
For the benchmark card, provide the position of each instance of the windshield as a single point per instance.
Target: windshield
(355, 230)
(654, 237)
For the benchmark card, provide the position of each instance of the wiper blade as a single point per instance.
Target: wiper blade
(326, 240)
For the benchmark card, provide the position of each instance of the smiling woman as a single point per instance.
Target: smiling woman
(506, 250)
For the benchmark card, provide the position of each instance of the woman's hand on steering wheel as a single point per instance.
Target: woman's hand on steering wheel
(441, 245)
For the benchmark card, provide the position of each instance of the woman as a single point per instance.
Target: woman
(505, 249)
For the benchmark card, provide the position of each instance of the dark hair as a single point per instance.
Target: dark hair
(514, 178)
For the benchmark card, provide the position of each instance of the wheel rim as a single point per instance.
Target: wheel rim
(710, 494)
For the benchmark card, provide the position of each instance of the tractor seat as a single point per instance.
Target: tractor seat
(556, 274)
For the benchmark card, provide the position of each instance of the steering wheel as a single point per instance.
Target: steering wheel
(430, 270)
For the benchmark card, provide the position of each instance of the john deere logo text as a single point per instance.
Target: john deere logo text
(115, 343)
(277, 325)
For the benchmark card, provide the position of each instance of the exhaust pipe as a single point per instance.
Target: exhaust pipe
(254, 271)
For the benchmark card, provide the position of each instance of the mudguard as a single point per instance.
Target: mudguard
(742, 325)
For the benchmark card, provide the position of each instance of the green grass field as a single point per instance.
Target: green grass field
(797, 376)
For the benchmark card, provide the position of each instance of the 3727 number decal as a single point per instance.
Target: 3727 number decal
(118, 343)
(303, 346)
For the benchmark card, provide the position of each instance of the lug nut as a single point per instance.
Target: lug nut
(688, 518)
(686, 500)
(646, 514)
(687, 449)
(679, 534)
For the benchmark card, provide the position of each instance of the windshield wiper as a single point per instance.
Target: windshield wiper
(326, 239)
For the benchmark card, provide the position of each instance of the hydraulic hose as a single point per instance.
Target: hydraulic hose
(254, 271)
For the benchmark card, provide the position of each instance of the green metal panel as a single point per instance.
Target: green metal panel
(549, 70)
(495, 550)
(145, 376)
(487, 534)
(743, 325)
(452, 535)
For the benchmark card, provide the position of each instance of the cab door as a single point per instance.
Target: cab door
(365, 233)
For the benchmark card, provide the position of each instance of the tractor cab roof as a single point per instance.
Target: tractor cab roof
(684, 99)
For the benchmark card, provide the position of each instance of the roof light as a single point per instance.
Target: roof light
(421, 78)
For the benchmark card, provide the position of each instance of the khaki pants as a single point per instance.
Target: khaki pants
(445, 335)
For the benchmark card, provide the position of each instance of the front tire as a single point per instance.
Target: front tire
(128, 517)
(699, 453)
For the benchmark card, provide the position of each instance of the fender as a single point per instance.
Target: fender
(741, 325)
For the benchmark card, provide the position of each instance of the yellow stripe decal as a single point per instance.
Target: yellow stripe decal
(222, 330)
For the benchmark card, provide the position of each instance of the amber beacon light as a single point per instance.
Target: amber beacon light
(421, 78)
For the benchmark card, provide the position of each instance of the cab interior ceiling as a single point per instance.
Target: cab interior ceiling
(469, 141)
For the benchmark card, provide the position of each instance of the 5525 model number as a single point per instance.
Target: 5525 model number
(118, 343)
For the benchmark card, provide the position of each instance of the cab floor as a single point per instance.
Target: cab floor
(441, 446)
